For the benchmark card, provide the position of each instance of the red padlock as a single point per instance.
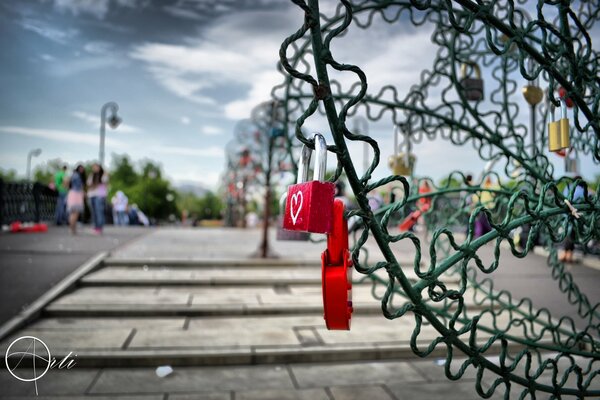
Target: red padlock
(309, 205)
(337, 273)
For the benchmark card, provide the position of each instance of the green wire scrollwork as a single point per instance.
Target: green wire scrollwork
(537, 353)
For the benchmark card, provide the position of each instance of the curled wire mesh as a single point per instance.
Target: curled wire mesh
(537, 353)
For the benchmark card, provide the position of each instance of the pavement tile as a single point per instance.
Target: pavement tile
(282, 394)
(105, 323)
(207, 379)
(55, 382)
(360, 393)
(433, 369)
(59, 341)
(126, 397)
(122, 295)
(356, 373)
(201, 396)
(447, 390)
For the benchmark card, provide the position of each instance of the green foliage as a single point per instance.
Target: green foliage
(8, 175)
(451, 182)
(146, 188)
(123, 174)
(44, 173)
(208, 207)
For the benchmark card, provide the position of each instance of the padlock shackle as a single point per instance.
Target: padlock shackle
(406, 139)
(303, 164)
(563, 107)
(282, 200)
(320, 158)
(463, 69)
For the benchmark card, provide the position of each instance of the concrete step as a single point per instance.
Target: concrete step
(139, 342)
(191, 301)
(218, 276)
(224, 262)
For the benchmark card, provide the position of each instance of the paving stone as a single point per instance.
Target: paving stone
(447, 390)
(55, 382)
(360, 393)
(121, 381)
(63, 341)
(281, 394)
(433, 369)
(357, 373)
(201, 396)
(125, 397)
(122, 295)
(104, 323)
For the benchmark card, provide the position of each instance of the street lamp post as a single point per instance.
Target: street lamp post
(113, 122)
(32, 153)
(361, 126)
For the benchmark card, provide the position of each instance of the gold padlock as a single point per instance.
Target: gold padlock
(558, 131)
(401, 164)
(533, 94)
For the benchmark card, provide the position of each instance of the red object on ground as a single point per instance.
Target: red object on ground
(413, 217)
(337, 273)
(18, 227)
(410, 220)
(562, 92)
(309, 207)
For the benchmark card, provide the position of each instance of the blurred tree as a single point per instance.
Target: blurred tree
(209, 206)
(44, 173)
(452, 182)
(8, 175)
(153, 194)
(122, 175)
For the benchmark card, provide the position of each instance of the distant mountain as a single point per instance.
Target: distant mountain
(192, 187)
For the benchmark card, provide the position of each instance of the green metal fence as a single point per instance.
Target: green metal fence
(541, 45)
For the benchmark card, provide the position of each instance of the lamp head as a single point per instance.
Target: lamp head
(36, 152)
(114, 121)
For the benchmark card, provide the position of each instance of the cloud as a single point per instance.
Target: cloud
(61, 36)
(236, 49)
(96, 8)
(98, 47)
(59, 135)
(211, 130)
(212, 151)
(94, 121)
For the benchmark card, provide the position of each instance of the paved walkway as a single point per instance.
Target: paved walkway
(234, 328)
(32, 263)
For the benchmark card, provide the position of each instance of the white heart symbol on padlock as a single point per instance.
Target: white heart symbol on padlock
(297, 198)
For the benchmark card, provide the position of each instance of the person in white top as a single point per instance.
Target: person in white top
(120, 202)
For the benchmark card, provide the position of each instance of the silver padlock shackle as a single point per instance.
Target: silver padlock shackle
(563, 109)
(303, 164)
(282, 200)
(320, 160)
(405, 142)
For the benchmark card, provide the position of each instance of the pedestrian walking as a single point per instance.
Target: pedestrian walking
(62, 189)
(75, 197)
(120, 202)
(97, 192)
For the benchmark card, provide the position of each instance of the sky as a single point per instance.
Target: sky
(183, 72)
